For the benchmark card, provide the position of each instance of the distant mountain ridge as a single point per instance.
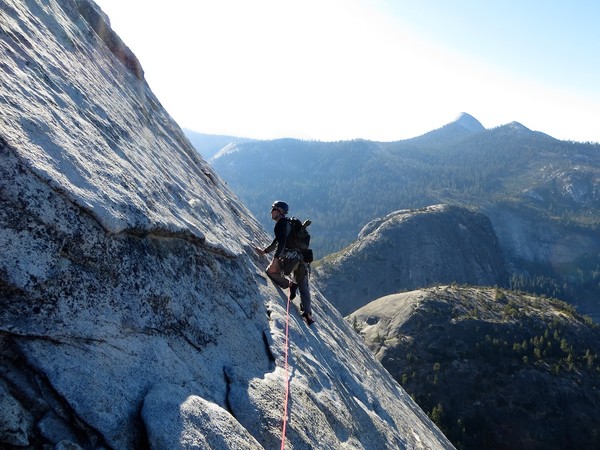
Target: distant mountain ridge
(208, 145)
(542, 194)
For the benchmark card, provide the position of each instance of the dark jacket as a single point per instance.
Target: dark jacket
(281, 230)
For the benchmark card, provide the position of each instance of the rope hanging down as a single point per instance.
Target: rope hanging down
(287, 379)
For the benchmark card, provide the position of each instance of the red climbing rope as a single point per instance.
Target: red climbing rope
(287, 379)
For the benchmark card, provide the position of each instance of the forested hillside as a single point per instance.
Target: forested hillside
(494, 369)
(542, 194)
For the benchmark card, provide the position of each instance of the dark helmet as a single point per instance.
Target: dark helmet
(281, 206)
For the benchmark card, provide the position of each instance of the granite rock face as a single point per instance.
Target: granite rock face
(410, 249)
(134, 312)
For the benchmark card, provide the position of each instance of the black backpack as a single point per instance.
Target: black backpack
(299, 238)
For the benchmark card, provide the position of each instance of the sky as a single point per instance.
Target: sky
(380, 70)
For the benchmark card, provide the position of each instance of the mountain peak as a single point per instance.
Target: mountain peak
(468, 122)
(462, 126)
(517, 126)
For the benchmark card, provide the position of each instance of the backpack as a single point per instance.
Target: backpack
(299, 238)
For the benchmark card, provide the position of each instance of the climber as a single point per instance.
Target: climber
(288, 261)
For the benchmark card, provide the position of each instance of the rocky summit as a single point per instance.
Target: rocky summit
(495, 369)
(410, 249)
(134, 311)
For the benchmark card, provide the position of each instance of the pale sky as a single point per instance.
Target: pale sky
(367, 69)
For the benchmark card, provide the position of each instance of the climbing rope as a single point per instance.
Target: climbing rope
(287, 379)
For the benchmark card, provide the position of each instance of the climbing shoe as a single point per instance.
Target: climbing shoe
(308, 318)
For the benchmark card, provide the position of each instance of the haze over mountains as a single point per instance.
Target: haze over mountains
(541, 194)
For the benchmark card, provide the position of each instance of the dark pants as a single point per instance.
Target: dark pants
(300, 275)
